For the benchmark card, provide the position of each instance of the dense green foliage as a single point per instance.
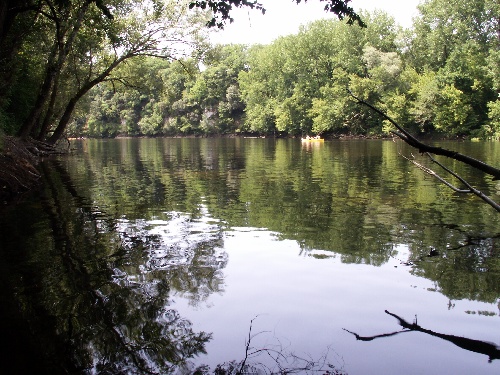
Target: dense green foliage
(169, 98)
(53, 52)
(441, 76)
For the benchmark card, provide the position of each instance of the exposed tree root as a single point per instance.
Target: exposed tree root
(18, 160)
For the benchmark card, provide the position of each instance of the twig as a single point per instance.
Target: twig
(282, 362)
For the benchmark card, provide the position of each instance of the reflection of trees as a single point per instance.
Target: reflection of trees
(175, 248)
(90, 309)
(100, 288)
(477, 346)
(465, 267)
(352, 200)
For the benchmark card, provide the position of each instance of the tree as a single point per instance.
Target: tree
(454, 43)
(296, 85)
(84, 43)
(67, 21)
(176, 97)
(143, 32)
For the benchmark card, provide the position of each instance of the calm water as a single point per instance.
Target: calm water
(160, 255)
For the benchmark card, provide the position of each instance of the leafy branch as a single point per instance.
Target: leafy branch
(221, 10)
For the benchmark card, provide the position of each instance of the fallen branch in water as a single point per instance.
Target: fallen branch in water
(430, 150)
(477, 346)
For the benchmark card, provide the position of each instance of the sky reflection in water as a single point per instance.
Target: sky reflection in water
(305, 302)
(311, 242)
(376, 219)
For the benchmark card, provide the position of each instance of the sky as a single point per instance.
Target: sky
(283, 17)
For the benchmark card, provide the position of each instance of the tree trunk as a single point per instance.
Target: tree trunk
(50, 111)
(37, 109)
(60, 50)
(68, 111)
(63, 122)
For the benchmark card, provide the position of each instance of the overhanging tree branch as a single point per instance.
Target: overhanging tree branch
(221, 10)
(429, 150)
(422, 147)
(469, 188)
(434, 174)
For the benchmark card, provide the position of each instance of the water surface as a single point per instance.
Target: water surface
(142, 254)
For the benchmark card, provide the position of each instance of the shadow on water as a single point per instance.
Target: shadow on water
(70, 305)
(84, 292)
(482, 347)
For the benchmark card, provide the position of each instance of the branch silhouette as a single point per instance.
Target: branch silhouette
(482, 347)
(432, 150)
(422, 147)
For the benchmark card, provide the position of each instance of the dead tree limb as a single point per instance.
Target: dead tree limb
(429, 150)
(469, 188)
(422, 147)
(477, 346)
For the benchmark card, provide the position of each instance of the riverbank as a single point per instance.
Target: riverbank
(18, 161)
(17, 168)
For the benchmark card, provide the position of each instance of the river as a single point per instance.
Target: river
(162, 255)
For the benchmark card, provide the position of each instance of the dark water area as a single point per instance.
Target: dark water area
(143, 256)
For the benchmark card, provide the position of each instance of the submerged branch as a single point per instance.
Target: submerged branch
(477, 346)
(370, 338)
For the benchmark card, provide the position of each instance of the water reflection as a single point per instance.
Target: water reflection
(96, 291)
(354, 199)
(124, 227)
(174, 247)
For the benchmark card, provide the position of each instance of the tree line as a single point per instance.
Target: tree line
(111, 68)
(440, 77)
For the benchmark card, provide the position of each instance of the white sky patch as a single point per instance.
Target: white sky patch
(283, 17)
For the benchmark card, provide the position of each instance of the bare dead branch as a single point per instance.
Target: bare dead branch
(470, 189)
(434, 174)
(412, 141)
(477, 346)
(429, 150)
